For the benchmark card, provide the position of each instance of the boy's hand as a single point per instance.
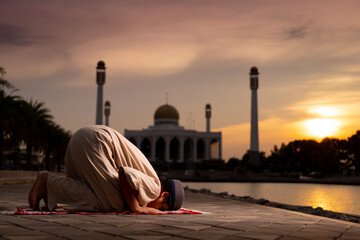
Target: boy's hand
(150, 210)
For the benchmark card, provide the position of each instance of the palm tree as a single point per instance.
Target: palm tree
(36, 120)
(31, 123)
(4, 84)
(54, 143)
(9, 108)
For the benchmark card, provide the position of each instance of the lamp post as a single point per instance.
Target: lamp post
(107, 112)
(254, 139)
(100, 80)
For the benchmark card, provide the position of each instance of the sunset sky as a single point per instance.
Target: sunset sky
(197, 52)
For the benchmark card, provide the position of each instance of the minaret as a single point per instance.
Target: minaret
(100, 80)
(254, 140)
(107, 112)
(208, 116)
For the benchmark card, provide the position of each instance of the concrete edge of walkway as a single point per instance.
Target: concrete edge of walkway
(10, 181)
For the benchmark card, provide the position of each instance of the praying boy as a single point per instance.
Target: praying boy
(105, 172)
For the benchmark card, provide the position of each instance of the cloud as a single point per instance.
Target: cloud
(34, 63)
(14, 35)
(149, 58)
(298, 31)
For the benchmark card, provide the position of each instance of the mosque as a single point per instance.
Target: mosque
(167, 144)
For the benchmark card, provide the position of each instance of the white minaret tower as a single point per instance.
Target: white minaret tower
(100, 80)
(107, 112)
(254, 140)
(208, 116)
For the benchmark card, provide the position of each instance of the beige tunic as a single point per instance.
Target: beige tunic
(93, 158)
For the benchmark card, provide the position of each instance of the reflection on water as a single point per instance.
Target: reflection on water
(318, 197)
(338, 198)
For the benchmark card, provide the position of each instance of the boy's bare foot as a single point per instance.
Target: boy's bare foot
(38, 191)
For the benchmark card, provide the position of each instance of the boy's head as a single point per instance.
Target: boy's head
(171, 196)
(176, 193)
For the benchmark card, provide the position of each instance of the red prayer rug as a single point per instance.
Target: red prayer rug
(28, 211)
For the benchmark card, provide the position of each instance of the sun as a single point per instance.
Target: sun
(322, 127)
(324, 123)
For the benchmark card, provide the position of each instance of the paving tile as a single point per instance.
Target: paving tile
(321, 232)
(354, 229)
(176, 238)
(91, 236)
(236, 238)
(170, 230)
(19, 231)
(283, 226)
(240, 226)
(144, 237)
(258, 236)
(289, 238)
(333, 222)
(115, 231)
(73, 233)
(192, 226)
(312, 236)
(18, 220)
(336, 229)
(352, 234)
(28, 237)
(99, 226)
(222, 231)
(69, 221)
(204, 235)
(5, 224)
(274, 231)
(70, 232)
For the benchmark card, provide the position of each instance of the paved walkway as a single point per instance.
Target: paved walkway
(227, 219)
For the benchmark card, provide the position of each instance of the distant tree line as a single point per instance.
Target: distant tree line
(330, 156)
(30, 124)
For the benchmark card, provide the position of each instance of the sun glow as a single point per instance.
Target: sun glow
(325, 124)
(322, 127)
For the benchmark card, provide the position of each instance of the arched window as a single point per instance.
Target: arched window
(145, 148)
(174, 150)
(160, 150)
(188, 154)
(200, 149)
(214, 149)
(188, 149)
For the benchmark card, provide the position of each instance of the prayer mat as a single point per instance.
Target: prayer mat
(28, 211)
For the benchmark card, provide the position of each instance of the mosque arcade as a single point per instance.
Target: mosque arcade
(167, 143)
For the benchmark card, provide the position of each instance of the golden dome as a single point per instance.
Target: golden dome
(166, 112)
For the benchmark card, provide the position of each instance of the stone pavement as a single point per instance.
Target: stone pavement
(226, 219)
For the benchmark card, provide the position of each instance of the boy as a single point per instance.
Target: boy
(105, 172)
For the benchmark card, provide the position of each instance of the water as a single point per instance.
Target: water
(338, 198)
